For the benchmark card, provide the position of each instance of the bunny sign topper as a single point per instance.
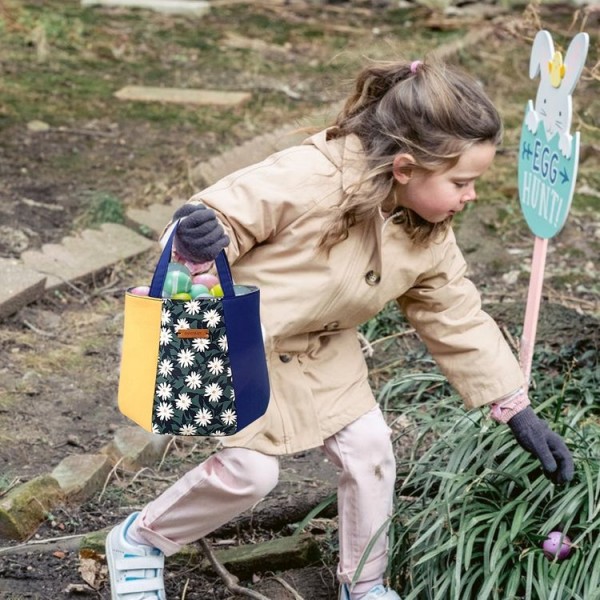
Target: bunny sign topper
(548, 161)
(548, 153)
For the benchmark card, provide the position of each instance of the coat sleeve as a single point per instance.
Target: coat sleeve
(256, 203)
(444, 307)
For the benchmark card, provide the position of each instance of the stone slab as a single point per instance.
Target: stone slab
(83, 256)
(19, 286)
(134, 448)
(82, 476)
(151, 220)
(260, 147)
(188, 7)
(140, 93)
(25, 507)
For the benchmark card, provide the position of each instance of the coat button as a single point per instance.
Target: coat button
(285, 358)
(332, 326)
(372, 278)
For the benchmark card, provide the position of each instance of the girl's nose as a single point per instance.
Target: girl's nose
(470, 195)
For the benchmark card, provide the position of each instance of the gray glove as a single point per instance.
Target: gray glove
(199, 236)
(534, 435)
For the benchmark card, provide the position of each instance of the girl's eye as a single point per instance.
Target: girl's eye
(461, 184)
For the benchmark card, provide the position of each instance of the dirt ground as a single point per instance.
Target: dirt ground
(59, 357)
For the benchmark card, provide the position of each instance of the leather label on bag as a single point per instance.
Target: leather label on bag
(192, 333)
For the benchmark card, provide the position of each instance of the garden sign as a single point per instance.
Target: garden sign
(548, 161)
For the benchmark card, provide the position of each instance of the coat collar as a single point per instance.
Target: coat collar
(346, 153)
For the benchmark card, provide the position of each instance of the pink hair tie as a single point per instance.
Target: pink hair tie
(414, 65)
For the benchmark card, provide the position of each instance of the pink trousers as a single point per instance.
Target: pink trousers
(234, 479)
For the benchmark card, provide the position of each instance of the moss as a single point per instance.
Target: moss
(24, 507)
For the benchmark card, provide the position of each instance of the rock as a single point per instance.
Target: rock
(188, 7)
(80, 257)
(25, 507)
(19, 285)
(182, 95)
(82, 476)
(135, 448)
(36, 126)
(275, 555)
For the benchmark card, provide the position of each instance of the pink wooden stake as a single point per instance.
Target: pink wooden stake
(532, 310)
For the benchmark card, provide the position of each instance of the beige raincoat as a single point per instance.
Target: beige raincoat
(311, 302)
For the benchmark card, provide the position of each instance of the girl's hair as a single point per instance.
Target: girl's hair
(432, 111)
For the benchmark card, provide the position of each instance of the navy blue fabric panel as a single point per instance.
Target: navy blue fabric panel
(247, 356)
(160, 273)
(225, 278)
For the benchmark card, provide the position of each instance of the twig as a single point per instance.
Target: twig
(288, 587)
(185, 587)
(112, 472)
(167, 448)
(91, 132)
(393, 335)
(51, 543)
(10, 486)
(511, 339)
(230, 580)
(36, 330)
(366, 346)
(137, 475)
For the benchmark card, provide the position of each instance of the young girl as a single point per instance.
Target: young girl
(331, 231)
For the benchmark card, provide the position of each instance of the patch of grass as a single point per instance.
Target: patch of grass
(101, 207)
(474, 508)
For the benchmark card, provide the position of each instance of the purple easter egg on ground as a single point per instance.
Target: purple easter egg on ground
(557, 545)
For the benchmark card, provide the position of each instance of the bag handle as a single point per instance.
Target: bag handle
(160, 273)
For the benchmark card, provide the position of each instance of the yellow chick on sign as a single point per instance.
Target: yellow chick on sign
(557, 69)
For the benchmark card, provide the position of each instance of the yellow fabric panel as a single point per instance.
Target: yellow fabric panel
(139, 358)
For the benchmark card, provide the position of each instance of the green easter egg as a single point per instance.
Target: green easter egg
(199, 290)
(177, 281)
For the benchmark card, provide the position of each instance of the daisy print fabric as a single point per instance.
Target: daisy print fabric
(194, 393)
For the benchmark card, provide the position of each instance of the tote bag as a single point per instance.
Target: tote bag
(193, 367)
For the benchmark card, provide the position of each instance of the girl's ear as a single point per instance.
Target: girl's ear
(402, 168)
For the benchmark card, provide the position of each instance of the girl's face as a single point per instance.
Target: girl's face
(437, 195)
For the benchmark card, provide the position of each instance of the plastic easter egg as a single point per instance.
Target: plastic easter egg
(177, 281)
(182, 296)
(217, 290)
(206, 279)
(140, 290)
(198, 290)
(241, 290)
(557, 545)
(198, 268)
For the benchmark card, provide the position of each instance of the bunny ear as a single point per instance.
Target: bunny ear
(575, 60)
(541, 53)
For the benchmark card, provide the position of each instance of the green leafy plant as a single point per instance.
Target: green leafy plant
(101, 207)
(474, 510)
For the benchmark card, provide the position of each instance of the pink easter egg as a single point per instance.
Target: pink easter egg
(206, 279)
(140, 290)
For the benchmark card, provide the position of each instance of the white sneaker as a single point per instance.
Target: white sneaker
(136, 570)
(379, 592)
